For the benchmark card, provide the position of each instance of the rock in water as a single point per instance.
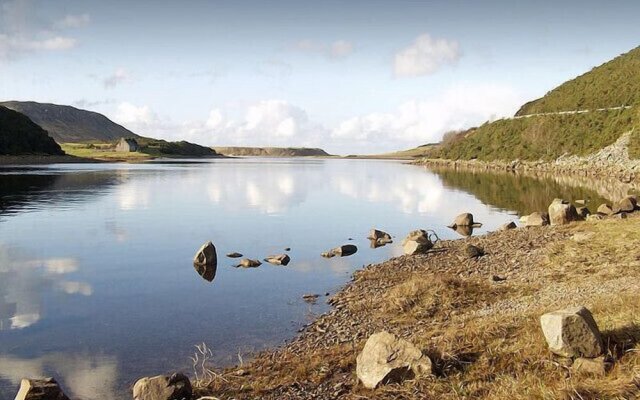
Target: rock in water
(465, 219)
(40, 389)
(207, 272)
(537, 219)
(379, 238)
(342, 251)
(388, 359)
(471, 251)
(572, 333)
(234, 255)
(562, 212)
(605, 209)
(161, 387)
(507, 226)
(465, 231)
(279, 259)
(417, 242)
(206, 255)
(249, 263)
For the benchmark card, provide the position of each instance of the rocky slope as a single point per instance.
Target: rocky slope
(19, 135)
(271, 151)
(68, 124)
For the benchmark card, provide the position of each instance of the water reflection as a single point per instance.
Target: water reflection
(84, 376)
(24, 282)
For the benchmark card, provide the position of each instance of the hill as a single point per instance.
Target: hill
(19, 135)
(608, 98)
(68, 124)
(271, 151)
(612, 84)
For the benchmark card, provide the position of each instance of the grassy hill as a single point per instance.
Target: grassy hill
(68, 124)
(19, 135)
(614, 83)
(531, 136)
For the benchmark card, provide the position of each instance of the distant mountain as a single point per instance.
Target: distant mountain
(579, 117)
(271, 151)
(19, 135)
(68, 124)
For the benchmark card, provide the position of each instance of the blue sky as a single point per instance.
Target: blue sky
(349, 76)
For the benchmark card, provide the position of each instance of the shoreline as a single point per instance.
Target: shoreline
(467, 315)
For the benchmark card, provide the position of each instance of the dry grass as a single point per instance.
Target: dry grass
(483, 338)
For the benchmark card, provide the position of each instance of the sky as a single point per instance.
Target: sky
(352, 77)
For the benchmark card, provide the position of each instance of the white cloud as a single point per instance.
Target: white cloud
(424, 121)
(135, 116)
(425, 56)
(336, 50)
(13, 45)
(73, 21)
(119, 76)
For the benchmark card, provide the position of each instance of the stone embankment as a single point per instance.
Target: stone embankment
(611, 162)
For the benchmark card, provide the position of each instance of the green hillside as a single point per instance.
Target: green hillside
(602, 91)
(19, 135)
(612, 84)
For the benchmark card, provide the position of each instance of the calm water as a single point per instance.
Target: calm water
(97, 287)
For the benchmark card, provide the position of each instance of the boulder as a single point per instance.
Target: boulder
(464, 219)
(417, 242)
(40, 389)
(537, 219)
(206, 271)
(234, 255)
(279, 259)
(605, 209)
(507, 226)
(162, 387)
(380, 238)
(562, 212)
(471, 251)
(465, 231)
(583, 212)
(388, 359)
(572, 332)
(249, 263)
(590, 366)
(342, 251)
(628, 204)
(206, 255)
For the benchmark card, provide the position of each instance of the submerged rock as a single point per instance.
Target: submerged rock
(206, 255)
(40, 389)
(417, 242)
(249, 263)
(386, 358)
(234, 255)
(342, 251)
(162, 387)
(562, 212)
(465, 230)
(379, 238)
(279, 259)
(310, 298)
(572, 332)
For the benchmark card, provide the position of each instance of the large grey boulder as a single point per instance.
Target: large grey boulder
(206, 255)
(572, 333)
(388, 359)
(417, 242)
(162, 387)
(342, 251)
(40, 389)
(537, 219)
(562, 212)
